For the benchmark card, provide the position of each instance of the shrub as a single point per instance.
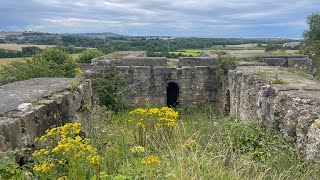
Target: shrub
(106, 86)
(87, 55)
(50, 63)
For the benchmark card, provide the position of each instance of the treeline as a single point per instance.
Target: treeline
(126, 43)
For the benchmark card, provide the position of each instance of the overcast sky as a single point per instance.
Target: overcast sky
(202, 18)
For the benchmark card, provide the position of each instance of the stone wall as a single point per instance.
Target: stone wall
(197, 61)
(142, 61)
(28, 108)
(292, 107)
(197, 84)
(288, 61)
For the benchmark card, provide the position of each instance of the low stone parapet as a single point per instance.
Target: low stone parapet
(28, 108)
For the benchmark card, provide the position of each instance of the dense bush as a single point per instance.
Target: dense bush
(51, 62)
(87, 55)
(312, 41)
(106, 86)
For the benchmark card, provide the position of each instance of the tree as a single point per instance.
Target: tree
(87, 55)
(312, 41)
(56, 55)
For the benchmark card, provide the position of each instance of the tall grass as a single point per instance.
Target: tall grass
(207, 146)
(204, 145)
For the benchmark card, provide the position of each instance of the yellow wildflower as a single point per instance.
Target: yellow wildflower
(151, 160)
(137, 150)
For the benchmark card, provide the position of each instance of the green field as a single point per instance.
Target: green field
(188, 52)
(196, 52)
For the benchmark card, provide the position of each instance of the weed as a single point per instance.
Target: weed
(277, 80)
(259, 73)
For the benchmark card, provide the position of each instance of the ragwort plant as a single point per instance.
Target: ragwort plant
(153, 124)
(65, 154)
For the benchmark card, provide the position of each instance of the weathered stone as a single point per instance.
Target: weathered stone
(197, 61)
(292, 107)
(52, 105)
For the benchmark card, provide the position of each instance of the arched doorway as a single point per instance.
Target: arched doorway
(172, 95)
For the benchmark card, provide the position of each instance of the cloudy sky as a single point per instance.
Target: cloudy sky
(202, 18)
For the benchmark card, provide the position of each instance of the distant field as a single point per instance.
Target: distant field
(6, 61)
(187, 52)
(245, 45)
(18, 47)
(235, 47)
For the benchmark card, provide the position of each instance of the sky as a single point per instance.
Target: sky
(197, 18)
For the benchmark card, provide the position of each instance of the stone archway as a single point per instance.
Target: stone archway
(172, 95)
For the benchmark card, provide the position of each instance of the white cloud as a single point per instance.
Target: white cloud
(157, 16)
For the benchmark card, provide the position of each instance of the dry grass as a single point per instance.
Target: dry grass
(245, 45)
(18, 47)
(6, 61)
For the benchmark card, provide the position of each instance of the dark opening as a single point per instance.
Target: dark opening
(172, 95)
(227, 105)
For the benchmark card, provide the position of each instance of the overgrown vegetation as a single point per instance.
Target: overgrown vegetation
(87, 55)
(312, 42)
(203, 145)
(52, 62)
(106, 85)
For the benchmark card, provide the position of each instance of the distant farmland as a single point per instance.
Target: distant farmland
(18, 47)
(6, 61)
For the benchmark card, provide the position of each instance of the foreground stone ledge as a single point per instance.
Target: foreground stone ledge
(292, 107)
(43, 103)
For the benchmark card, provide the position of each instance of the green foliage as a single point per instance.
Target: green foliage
(273, 47)
(278, 80)
(259, 142)
(10, 169)
(87, 55)
(207, 145)
(45, 64)
(30, 51)
(312, 41)
(106, 85)
(313, 33)
(35, 68)
(55, 55)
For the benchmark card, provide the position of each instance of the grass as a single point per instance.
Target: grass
(207, 146)
(6, 61)
(204, 145)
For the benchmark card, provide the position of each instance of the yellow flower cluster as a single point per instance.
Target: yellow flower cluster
(153, 124)
(43, 168)
(137, 150)
(77, 71)
(63, 144)
(189, 144)
(68, 130)
(150, 161)
(164, 116)
(94, 160)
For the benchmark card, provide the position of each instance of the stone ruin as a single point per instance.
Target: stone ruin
(152, 80)
(28, 108)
